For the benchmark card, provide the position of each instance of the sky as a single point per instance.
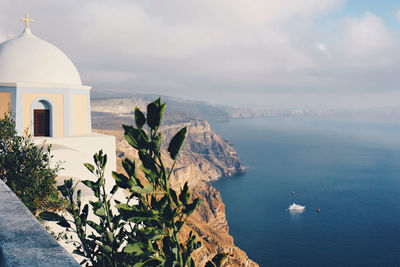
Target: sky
(313, 54)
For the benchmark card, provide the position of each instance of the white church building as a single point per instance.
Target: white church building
(42, 89)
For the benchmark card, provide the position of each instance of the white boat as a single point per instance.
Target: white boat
(294, 208)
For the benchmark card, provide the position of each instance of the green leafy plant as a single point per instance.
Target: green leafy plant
(143, 230)
(26, 168)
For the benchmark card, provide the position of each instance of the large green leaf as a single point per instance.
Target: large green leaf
(140, 119)
(64, 223)
(84, 214)
(96, 204)
(143, 139)
(176, 143)
(124, 206)
(192, 206)
(179, 225)
(50, 216)
(120, 179)
(114, 189)
(106, 248)
(135, 137)
(92, 185)
(63, 190)
(147, 161)
(129, 167)
(174, 196)
(78, 198)
(101, 212)
(133, 215)
(133, 248)
(184, 195)
(155, 111)
(147, 189)
(131, 135)
(103, 161)
(155, 144)
(89, 166)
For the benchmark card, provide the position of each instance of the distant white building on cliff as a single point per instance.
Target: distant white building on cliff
(42, 88)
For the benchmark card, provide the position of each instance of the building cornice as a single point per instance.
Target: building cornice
(45, 85)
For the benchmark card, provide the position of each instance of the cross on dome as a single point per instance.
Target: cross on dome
(27, 20)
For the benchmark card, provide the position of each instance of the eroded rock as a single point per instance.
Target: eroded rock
(205, 157)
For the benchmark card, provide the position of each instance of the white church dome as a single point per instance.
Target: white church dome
(28, 59)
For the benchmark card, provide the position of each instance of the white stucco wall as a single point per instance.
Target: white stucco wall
(76, 150)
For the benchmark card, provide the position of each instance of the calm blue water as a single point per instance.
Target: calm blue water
(349, 170)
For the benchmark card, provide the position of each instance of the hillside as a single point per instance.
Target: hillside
(121, 109)
(205, 157)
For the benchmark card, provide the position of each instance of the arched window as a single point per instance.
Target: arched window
(42, 118)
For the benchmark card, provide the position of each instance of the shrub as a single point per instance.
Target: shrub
(26, 169)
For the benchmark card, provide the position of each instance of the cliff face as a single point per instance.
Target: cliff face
(204, 152)
(205, 157)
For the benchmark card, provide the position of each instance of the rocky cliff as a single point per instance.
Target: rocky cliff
(205, 157)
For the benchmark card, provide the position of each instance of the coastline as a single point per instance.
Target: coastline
(205, 158)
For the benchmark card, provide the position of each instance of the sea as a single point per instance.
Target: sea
(348, 170)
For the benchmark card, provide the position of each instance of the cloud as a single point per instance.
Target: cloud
(397, 14)
(366, 42)
(226, 51)
(321, 47)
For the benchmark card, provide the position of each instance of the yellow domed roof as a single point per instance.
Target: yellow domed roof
(28, 59)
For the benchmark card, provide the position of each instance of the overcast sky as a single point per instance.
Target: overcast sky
(286, 53)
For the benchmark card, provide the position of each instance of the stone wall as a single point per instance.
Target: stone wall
(23, 240)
